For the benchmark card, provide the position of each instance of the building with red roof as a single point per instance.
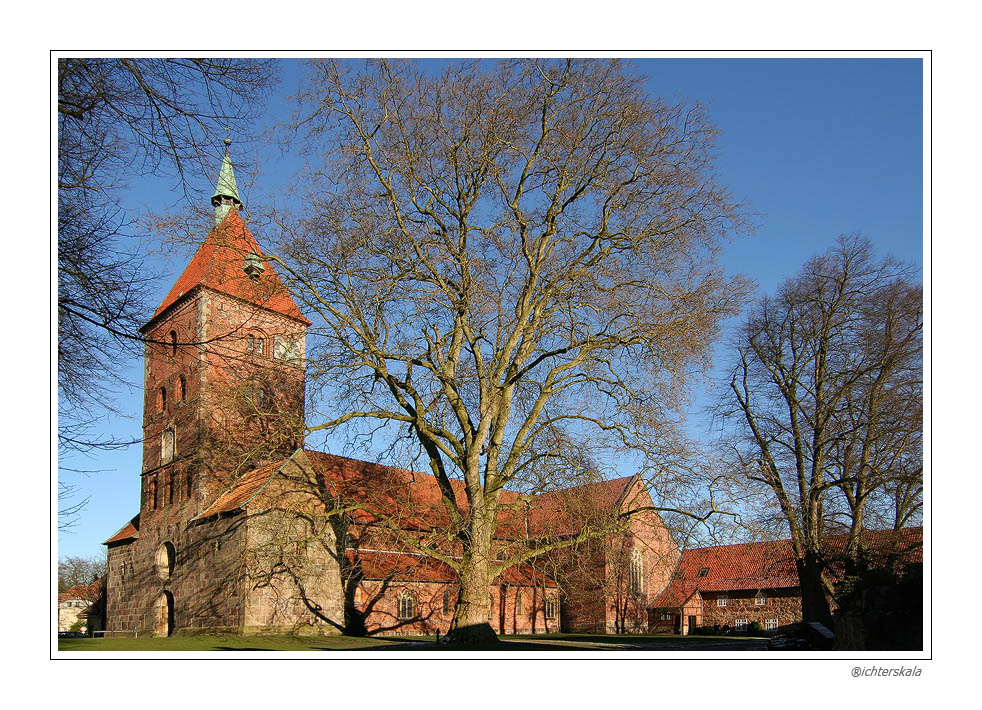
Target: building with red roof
(242, 529)
(81, 604)
(736, 586)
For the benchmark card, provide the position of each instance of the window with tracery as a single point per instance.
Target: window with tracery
(637, 572)
(406, 605)
(551, 607)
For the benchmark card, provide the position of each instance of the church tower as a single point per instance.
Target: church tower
(224, 381)
(224, 394)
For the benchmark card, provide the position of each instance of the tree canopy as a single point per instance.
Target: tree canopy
(828, 390)
(512, 266)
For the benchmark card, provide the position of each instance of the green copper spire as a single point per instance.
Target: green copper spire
(226, 193)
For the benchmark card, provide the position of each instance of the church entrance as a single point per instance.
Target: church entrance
(164, 625)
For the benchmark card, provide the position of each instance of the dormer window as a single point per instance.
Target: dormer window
(703, 572)
(253, 266)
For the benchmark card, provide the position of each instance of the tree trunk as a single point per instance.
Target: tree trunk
(814, 604)
(470, 624)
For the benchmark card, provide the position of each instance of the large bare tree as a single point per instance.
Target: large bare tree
(828, 391)
(511, 266)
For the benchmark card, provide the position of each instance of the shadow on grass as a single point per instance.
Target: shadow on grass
(562, 643)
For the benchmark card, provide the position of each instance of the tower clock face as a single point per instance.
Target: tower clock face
(287, 349)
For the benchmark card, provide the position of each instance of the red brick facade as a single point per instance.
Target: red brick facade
(734, 586)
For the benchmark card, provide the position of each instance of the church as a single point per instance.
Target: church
(241, 529)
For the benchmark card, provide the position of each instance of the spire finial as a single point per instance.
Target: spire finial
(226, 192)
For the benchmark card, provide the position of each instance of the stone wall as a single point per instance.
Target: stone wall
(175, 579)
(781, 604)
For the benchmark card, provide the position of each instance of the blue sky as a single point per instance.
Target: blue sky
(816, 147)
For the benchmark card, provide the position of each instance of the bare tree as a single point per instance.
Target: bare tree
(76, 571)
(827, 389)
(119, 118)
(512, 267)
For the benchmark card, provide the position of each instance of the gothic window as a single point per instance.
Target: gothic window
(637, 572)
(406, 605)
(167, 446)
(551, 607)
(256, 344)
(184, 388)
(164, 560)
(162, 399)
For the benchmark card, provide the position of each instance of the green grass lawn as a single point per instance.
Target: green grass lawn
(542, 642)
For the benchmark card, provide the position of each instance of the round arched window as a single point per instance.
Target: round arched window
(165, 560)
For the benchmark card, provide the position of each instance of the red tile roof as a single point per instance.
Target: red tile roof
(218, 265)
(88, 592)
(764, 565)
(413, 500)
(409, 498)
(400, 567)
(130, 531)
(243, 490)
(404, 567)
(563, 512)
